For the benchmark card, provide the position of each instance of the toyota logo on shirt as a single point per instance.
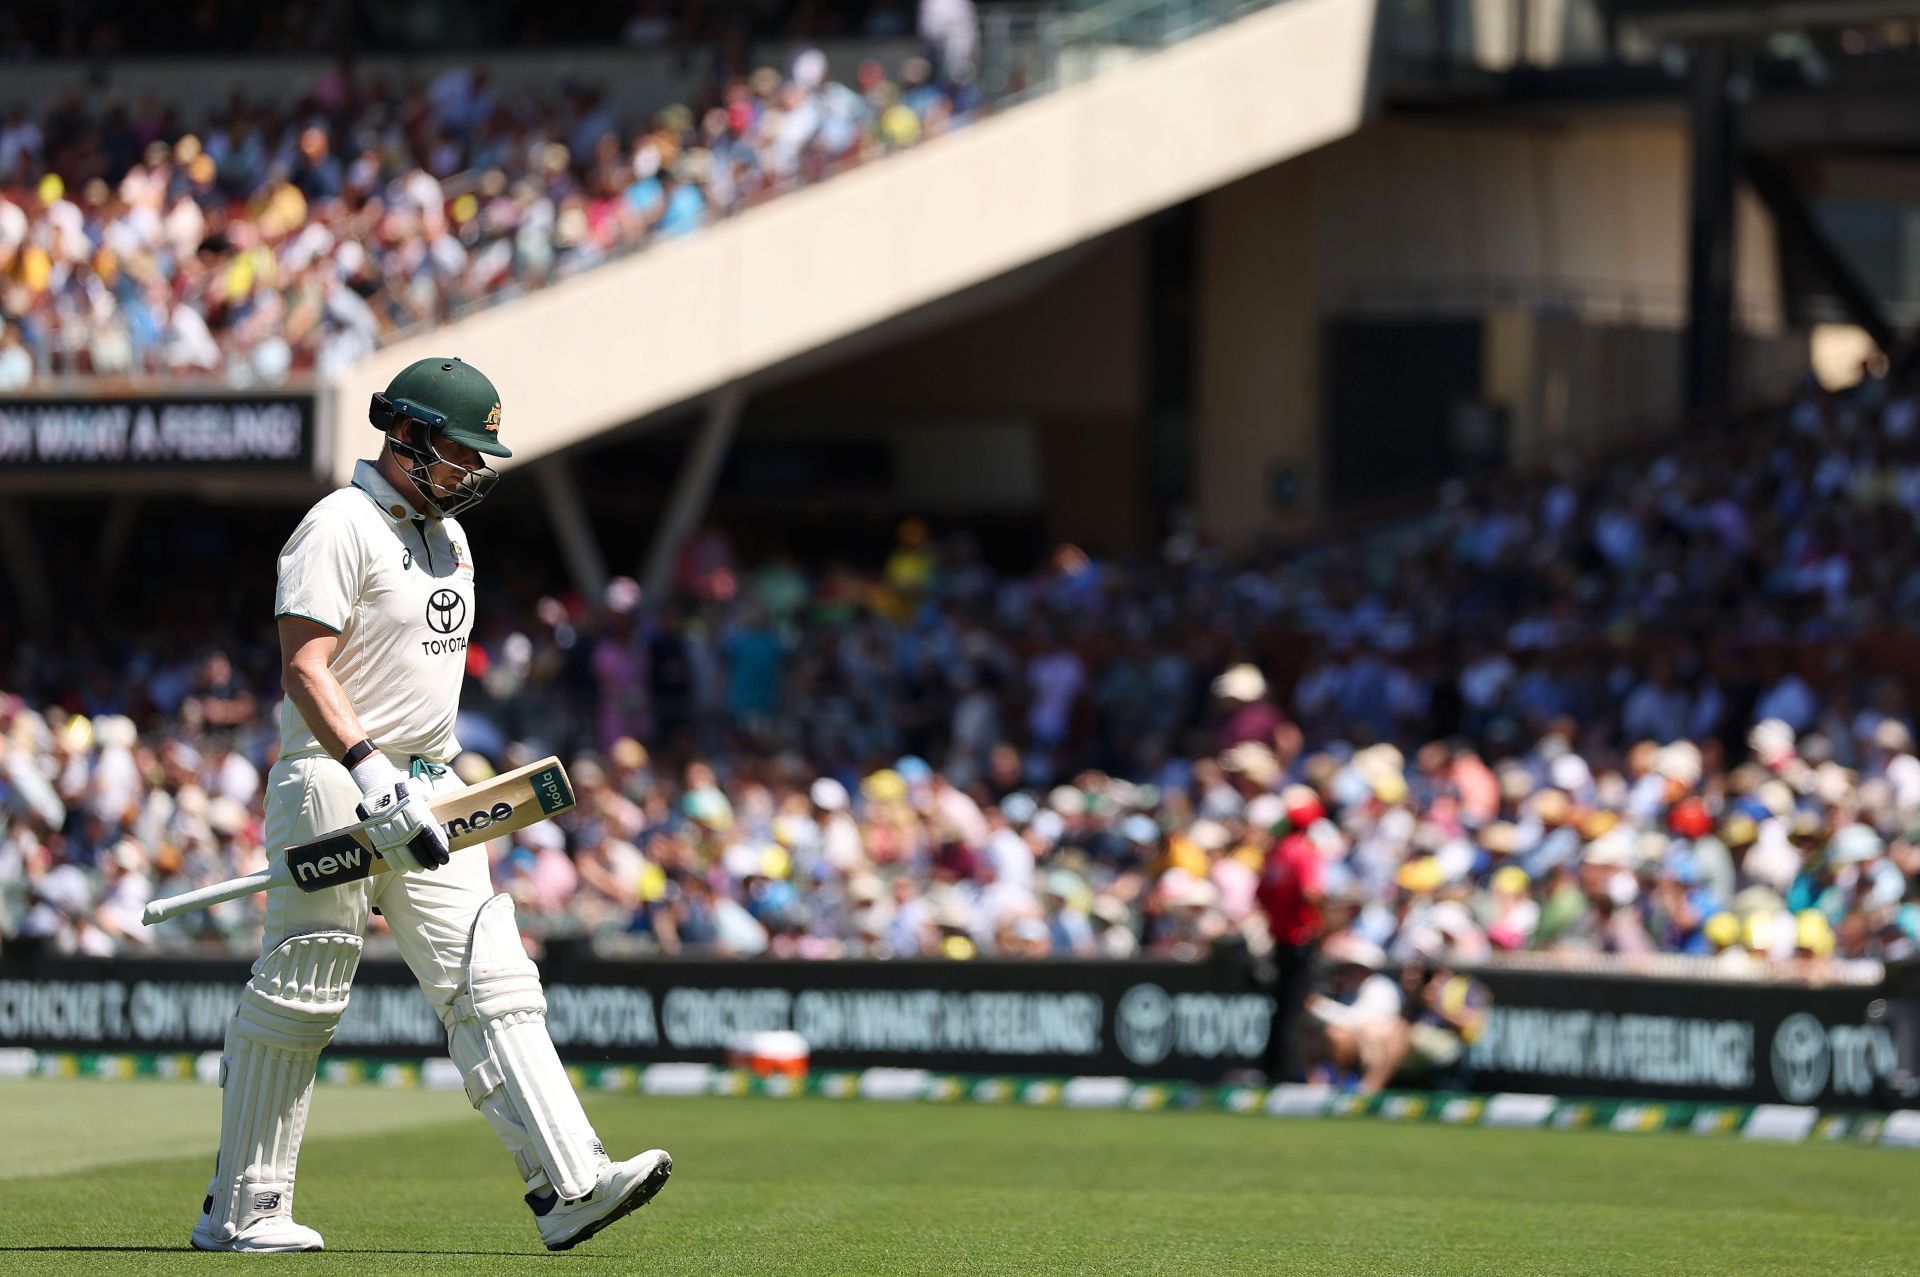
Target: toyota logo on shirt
(445, 611)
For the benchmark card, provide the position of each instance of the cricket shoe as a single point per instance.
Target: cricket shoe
(267, 1235)
(623, 1188)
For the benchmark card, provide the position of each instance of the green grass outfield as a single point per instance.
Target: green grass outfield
(105, 1177)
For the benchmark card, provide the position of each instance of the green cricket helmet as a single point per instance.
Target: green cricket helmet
(450, 399)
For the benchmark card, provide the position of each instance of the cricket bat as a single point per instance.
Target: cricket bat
(508, 802)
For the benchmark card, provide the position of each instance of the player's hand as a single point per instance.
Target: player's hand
(402, 829)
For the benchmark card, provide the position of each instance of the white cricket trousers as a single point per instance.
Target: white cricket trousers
(430, 913)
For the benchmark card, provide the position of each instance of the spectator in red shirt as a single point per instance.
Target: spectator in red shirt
(1291, 893)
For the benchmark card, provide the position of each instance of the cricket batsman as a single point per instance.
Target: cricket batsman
(374, 604)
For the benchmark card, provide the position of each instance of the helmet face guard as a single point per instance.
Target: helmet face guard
(410, 429)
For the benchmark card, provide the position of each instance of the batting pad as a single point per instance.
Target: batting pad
(498, 1038)
(286, 1017)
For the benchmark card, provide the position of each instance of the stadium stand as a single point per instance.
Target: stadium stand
(263, 242)
(1632, 705)
(1510, 723)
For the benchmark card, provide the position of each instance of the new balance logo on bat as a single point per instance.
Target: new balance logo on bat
(342, 859)
(324, 864)
(478, 820)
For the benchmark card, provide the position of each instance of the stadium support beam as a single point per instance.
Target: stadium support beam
(567, 512)
(1801, 234)
(115, 531)
(1710, 231)
(693, 487)
(23, 565)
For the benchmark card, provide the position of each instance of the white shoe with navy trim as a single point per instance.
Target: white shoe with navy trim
(622, 1188)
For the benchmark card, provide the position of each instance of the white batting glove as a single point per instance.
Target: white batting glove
(398, 821)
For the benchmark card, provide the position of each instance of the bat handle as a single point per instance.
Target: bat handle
(214, 893)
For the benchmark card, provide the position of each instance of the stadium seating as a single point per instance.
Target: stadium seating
(1514, 727)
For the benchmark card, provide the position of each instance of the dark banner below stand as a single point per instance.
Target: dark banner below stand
(1673, 1039)
(178, 433)
(1549, 1033)
(1144, 1019)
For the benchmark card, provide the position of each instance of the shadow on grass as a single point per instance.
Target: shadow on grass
(75, 1250)
(331, 1250)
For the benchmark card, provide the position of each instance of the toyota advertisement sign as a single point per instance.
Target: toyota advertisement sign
(1557, 1033)
(1609, 1035)
(1148, 1019)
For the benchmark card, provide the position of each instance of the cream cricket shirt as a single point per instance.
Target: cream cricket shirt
(398, 589)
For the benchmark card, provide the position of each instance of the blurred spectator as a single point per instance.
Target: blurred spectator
(1360, 1029)
(1444, 1013)
(1292, 891)
(1055, 679)
(1251, 717)
(620, 670)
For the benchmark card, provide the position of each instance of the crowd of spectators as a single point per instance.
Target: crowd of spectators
(1623, 712)
(1734, 566)
(261, 242)
(1788, 856)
